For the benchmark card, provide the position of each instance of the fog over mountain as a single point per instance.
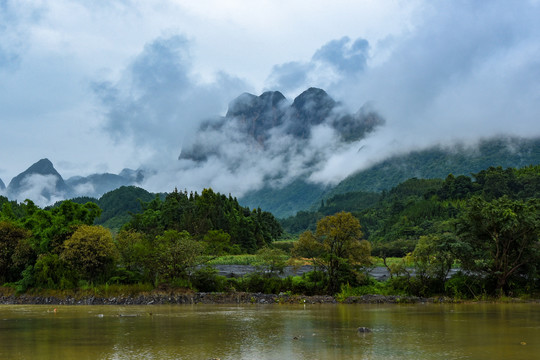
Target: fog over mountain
(44, 185)
(268, 141)
(116, 85)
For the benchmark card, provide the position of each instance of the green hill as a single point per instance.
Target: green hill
(436, 162)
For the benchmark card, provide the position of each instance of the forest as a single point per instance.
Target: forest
(485, 227)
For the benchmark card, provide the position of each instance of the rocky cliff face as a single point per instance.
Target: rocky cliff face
(270, 114)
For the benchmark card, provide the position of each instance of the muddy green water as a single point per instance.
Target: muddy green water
(475, 331)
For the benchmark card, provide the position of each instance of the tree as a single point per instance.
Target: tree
(500, 238)
(336, 247)
(433, 258)
(90, 251)
(15, 251)
(134, 251)
(177, 254)
(218, 243)
(271, 262)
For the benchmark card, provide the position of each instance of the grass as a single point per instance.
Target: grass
(378, 262)
(245, 259)
(85, 291)
(374, 288)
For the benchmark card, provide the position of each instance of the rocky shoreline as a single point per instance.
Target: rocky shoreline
(210, 298)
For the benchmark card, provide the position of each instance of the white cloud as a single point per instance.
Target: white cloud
(41, 189)
(437, 71)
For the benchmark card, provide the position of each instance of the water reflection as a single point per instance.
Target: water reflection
(477, 331)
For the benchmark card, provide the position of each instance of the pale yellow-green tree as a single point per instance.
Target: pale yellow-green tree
(90, 251)
(336, 247)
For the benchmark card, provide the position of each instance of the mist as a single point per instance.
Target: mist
(139, 94)
(462, 74)
(41, 189)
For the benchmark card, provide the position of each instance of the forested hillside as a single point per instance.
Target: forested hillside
(431, 163)
(489, 224)
(60, 247)
(418, 207)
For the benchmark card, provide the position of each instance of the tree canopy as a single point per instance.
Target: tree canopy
(336, 247)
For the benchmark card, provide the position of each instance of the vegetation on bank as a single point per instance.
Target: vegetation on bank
(487, 226)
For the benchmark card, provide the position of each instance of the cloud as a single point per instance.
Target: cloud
(347, 58)
(462, 72)
(329, 65)
(158, 103)
(11, 36)
(291, 75)
(437, 72)
(269, 141)
(41, 189)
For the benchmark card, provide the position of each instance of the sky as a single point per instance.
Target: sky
(98, 86)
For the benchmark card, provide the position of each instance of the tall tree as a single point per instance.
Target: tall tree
(15, 251)
(500, 238)
(336, 247)
(177, 254)
(90, 251)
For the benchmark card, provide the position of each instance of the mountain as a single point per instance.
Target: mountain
(2, 186)
(286, 201)
(41, 180)
(96, 185)
(258, 118)
(435, 162)
(44, 185)
(119, 204)
(438, 162)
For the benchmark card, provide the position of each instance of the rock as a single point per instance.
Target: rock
(363, 329)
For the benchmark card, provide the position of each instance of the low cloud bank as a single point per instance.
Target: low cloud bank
(461, 73)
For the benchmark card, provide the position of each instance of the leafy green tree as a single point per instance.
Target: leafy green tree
(336, 247)
(134, 252)
(15, 251)
(52, 272)
(90, 251)
(200, 214)
(500, 238)
(218, 242)
(177, 255)
(433, 258)
(50, 228)
(270, 261)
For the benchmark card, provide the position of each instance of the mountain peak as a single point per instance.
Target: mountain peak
(26, 181)
(272, 115)
(2, 186)
(248, 105)
(42, 167)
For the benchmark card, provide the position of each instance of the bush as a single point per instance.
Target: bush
(285, 246)
(463, 286)
(206, 279)
(311, 283)
(259, 283)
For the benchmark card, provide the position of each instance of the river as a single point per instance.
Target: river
(420, 331)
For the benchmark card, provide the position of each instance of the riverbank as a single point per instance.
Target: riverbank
(205, 298)
(185, 297)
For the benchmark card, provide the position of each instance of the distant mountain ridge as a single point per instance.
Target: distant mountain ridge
(41, 182)
(2, 185)
(435, 162)
(41, 174)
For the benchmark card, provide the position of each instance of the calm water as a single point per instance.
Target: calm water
(477, 331)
